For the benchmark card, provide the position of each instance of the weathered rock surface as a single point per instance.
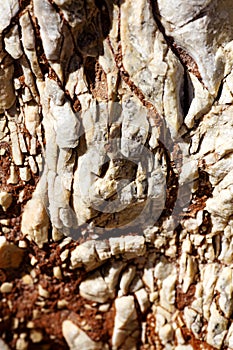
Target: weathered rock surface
(123, 112)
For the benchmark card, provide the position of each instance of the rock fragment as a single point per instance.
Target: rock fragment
(8, 9)
(5, 200)
(10, 255)
(95, 288)
(126, 332)
(3, 345)
(217, 327)
(36, 227)
(6, 287)
(78, 339)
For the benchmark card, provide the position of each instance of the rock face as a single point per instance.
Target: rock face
(116, 132)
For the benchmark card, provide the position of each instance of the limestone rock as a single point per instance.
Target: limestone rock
(217, 328)
(50, 30)
(36, 227)
(8, 9)
(126, 332)
(95, 288)
(194, 28)
(78, 339)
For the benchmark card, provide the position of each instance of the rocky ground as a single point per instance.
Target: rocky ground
(116, 175)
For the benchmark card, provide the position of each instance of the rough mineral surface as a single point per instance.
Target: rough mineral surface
(116, 174)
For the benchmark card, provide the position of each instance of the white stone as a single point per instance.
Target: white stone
(36, 336)
(95, 288)
(217, 328)
(167, 292)
(6, 287)
(50, 30)
(85, 254)
(193, 320)
(166, 333)
(78, 339)
(142, 298)
(126, 279)
(57, 272)
(125, 332)
(8, 9)
(43, 292)
(192, 30)
(36, 226)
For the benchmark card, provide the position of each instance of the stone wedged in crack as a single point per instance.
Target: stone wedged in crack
(12, 43)
(126, 279)
(32, 117)
(142, 298)
(204, 37)
(188, 271)
(10, 255)
(193, 320)
(78, 339)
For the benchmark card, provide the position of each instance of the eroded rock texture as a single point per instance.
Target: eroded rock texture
(116, 174)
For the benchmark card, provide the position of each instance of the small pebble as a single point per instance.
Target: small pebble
(43, 292)
(6, 287)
